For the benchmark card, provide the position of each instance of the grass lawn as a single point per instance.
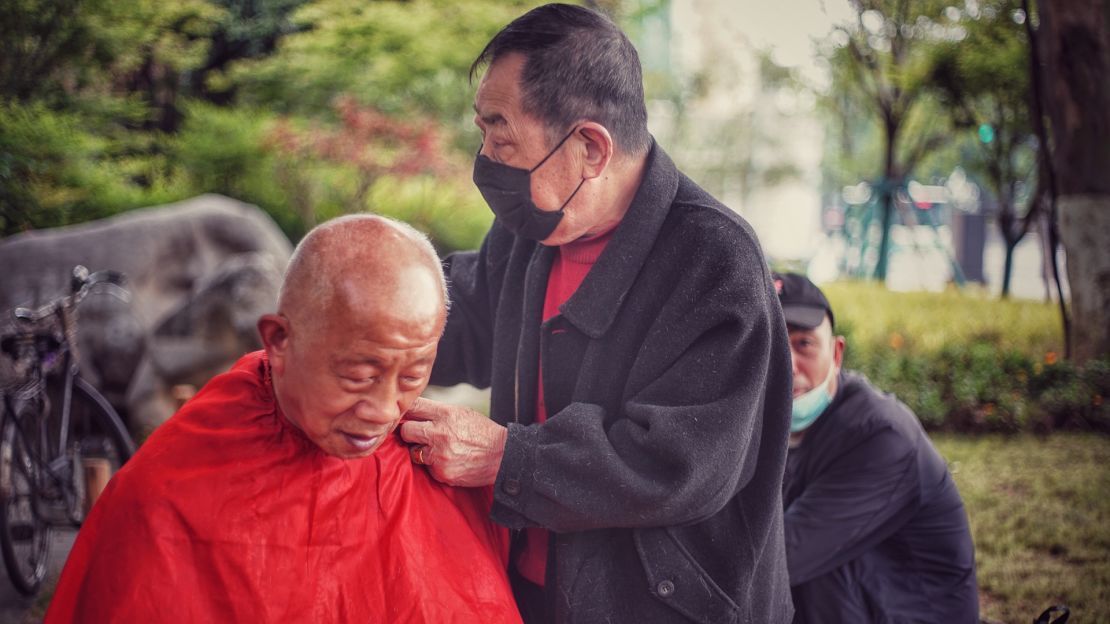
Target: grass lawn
(1040, 517)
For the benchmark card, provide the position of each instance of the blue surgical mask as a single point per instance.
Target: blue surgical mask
(812, 404)
(508, 191)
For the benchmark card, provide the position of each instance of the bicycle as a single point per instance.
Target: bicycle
(60, 440)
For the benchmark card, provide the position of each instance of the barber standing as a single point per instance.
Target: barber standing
(638, 359)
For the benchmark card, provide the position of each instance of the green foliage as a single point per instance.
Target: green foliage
(879, 67)
(243, 152)
(452, 213)
(218, 147)
(404, 60)
(983, 81)
(395, 56)
(58, 50)
(247, 29)
(84, 82)
(97, 117)
(1039, 517)
(224, 150)
(52, 172)
(253, 26)
(963, 361)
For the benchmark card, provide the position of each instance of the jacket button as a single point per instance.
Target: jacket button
(665, 589)
(512, 487)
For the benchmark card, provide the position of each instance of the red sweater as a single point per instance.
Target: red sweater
(573, 262)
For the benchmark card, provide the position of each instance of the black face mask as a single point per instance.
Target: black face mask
(508, 191)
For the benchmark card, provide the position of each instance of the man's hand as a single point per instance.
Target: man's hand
(460, 446)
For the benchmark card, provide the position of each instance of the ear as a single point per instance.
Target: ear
(599, 149)
(274, 330)
(838, 351)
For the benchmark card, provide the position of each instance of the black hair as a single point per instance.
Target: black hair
(578, 65)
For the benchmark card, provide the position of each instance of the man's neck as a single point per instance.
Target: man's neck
(626, 177)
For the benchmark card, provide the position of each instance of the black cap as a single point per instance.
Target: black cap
(803, 303)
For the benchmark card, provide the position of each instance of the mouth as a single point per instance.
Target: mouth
(361, 443)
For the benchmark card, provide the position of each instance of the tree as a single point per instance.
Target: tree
(983, 82)
(247, 29)
(373, 144)
(1074, 40)
(397, 57)
(882, 62)
(82, 84)
(68, 51)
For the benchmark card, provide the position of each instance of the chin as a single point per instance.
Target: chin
(348, 454)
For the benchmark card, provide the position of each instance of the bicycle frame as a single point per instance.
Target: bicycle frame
(54, 428)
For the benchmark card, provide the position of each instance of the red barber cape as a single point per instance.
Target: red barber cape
(229, 514)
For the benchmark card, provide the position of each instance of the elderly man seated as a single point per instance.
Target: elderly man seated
(280, 492)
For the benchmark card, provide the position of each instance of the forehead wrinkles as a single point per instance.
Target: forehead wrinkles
(500, 95)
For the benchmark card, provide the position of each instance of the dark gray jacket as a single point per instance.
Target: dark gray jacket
(875, 528)
(667, 384)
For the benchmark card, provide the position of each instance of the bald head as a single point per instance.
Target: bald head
(360, 314)
(362, 262)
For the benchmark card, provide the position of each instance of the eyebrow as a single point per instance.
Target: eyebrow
(492, 118)
(357, 362)
(378, 363)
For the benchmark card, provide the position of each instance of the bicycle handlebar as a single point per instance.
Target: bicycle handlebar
(81, 283)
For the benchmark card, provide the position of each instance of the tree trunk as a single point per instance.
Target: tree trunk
(886, 200)
(1007, 268)
(1085, 230)
(1076, 38)
(1046, 255)
(1010, 237)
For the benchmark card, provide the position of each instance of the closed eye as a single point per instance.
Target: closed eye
(359, 381)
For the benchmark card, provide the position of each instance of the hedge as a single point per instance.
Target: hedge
(964, 361)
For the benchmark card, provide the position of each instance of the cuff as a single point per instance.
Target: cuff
(514, 486)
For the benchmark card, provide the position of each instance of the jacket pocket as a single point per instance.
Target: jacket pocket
(678, 581)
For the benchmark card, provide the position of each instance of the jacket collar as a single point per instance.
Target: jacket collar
(594, 306)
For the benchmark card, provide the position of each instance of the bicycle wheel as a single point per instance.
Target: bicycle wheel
(46, 484)
(97, 444)
(24, 533)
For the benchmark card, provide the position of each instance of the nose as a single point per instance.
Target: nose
(381, 407)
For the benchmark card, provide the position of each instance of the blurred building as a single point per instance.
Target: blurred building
(729, 86)
(737, 121)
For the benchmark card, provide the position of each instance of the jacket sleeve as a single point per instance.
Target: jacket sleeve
(466, 346)
(859, 499)
(685, 440)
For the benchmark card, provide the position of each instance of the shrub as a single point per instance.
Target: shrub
(400, 166)
(224, 150)
(965, 362)
(54, 171)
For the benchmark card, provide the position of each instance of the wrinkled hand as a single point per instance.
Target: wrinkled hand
(461, 446)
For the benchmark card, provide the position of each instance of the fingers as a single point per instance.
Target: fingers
(426, 409)
(416, 432)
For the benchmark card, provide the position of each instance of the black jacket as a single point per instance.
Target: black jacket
(865, 488)
(667, 384)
